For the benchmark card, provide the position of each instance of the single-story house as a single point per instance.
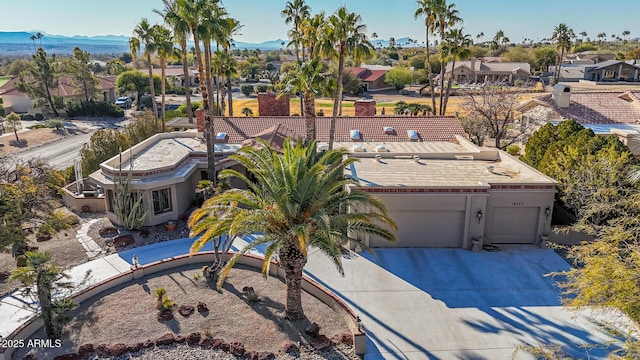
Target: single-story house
(175, 75)
(372, 79)
(612, 70)
(479, 71)
(586, 58)
(14, 100)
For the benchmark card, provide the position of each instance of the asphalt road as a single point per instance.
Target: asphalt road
(60, 153)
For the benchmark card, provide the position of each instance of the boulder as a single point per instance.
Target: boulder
(122, 241)
(117, 349)
(165, 315)
(320, 342)
(344, 338)
(216, 344)
(72, 356)
(236, 348)
(135, 347)
(166, 339)
(193, 338)
(289, 347)
(102, 349)
(186, 310)
(205, 342)
(86, 350)
(180, 339)
(202, 308)
(313, 329)
(106, 231)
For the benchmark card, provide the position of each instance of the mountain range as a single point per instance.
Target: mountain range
(20, 43)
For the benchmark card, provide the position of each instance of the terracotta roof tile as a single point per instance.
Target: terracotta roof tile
(65, 87)
(371, 128)
(600, 108)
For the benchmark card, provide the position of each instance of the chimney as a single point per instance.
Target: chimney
(561, 95)
(365, 108)
(473, 64)
(270, 105)
(200, 120)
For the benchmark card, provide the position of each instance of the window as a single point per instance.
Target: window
(161, 201)
(110, 201)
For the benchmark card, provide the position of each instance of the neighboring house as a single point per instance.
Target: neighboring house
(372, 79)
(569, 72)
(442, 190)
(479, 71)
(14, 100)
(586, 58)
(175, 75)
(612, 71)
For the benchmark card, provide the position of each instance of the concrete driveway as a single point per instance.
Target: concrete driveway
(454, 304)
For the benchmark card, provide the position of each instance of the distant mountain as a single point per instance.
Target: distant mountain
(266, 45)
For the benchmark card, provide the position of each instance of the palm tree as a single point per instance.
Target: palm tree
(583, 34)
(479, 37)
(180, 30)
(562, 35)
(298, 202)
(455, 46)
(374, 36)
(143, 36)
(427, 9)
(446, 16)
(625, 35)
(307, 78)
(162, 38)
(48, 279)
(601, 36)
(295, 12)
(225, 64)
(345, 35)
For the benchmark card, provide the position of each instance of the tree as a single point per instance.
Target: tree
(163, 43)
(14, 122)
(495, 108)
(499, 42)
(298, 202)
(247, 112)
(48, 279)
(519, 54)
(295, 12)
(18, 66)
(143, 36)
(134, 81)
(398, 77)
(84, 82)
(116, 67)
(446, 16)
(345, 35)
(40, 79)
(625, 35)
(428, 8)
(454, 46)
(562, 36)
(309, 80)
(544, 57)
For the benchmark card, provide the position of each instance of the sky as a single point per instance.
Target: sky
(519, 19)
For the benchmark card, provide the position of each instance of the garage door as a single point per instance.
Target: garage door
(514, 225)
(426, 229)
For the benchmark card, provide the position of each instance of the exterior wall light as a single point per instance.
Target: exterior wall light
(547, 211)
(135, 261)
(479, 215)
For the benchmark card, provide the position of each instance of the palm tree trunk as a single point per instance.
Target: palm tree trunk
(433, 99)
(44, 298)
(187, 79)
(230, 96)
(310, 115)
(292, 262)
(211, 165)
(163, 90)
(337, 100)
(50, 100)
(449, 83)
(442, 72)
(208, 75)
(152, 88)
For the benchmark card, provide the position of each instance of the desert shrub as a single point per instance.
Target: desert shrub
(182, 109)
(513, 150)
(406, 92)
(2, 112)
(55, 123)
(262, 88)
(162, 300)
(94, 108)
(247, 89)
(39, 117)
(518, 83)
(37, 126)
(57, 221)
(26, 117)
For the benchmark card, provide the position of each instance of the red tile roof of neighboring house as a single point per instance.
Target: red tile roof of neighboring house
(274, 135)
(601, 107)
(65, 87)
(441, 128)
(375, 74)
(366, 74)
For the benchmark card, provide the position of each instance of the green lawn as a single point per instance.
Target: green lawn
(4, 79)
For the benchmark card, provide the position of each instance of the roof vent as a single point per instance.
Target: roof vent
(389, 130)
(381, 148)
(413, 135)
(323, 147)
(354, 134)
(490, 168)
(357, 148)
(378, 158)
(221, 136)
(464, 157)
(416, 158)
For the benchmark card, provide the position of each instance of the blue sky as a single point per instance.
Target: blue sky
(388, 18)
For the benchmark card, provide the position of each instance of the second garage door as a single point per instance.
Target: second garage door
(514, 225)
(426, 229)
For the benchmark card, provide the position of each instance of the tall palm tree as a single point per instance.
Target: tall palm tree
(455, 46)
(625, 35)
(180, 29)
(307, 78)
(345, 35)
(143, 36)
(47, 279)
(298, 202)
(479, 37)
(562, 36)
(583, 34)
(427, 8)
(295, 12)
(163, 40)
(446, 16)
(225, 64)
(601, 36)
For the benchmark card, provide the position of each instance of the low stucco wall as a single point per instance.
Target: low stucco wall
(308, 285)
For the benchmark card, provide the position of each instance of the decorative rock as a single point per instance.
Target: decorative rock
(102, 349)
(106, 231)
(289, 347)
(165, 315)
(202, 308)
(216, 344)
(135, 347)
(72, 356)
(225, 347)
(123, 240)
(343, 338)
(236, 349)
(166, 339)
(205, 342)
(320, 342)
(117, 350)
(40, 238)
(313, 329)
(254, 355)
(186, 310)
(149, 344)
(180, 339)
(86, 350)
(193, 338)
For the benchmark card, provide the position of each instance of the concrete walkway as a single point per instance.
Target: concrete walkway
(416, 303)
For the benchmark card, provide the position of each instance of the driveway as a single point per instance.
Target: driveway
(455, 304)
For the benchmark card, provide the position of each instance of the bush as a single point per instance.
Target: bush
(57, 221)
(519, 83)
(94, 108)
(513, 150)
(182, 109)
(37, 126)
(55, 123)
(262, 88)
(2, 112)
(406, 92)
(39, 117)
(26, 117)
(247, 89)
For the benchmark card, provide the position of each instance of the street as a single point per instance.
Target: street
(60, 153)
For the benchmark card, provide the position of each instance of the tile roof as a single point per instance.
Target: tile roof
(600, 107)
(367, 74)
(437, 128)
(274, 135)
(173, 71)
(65, 87)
